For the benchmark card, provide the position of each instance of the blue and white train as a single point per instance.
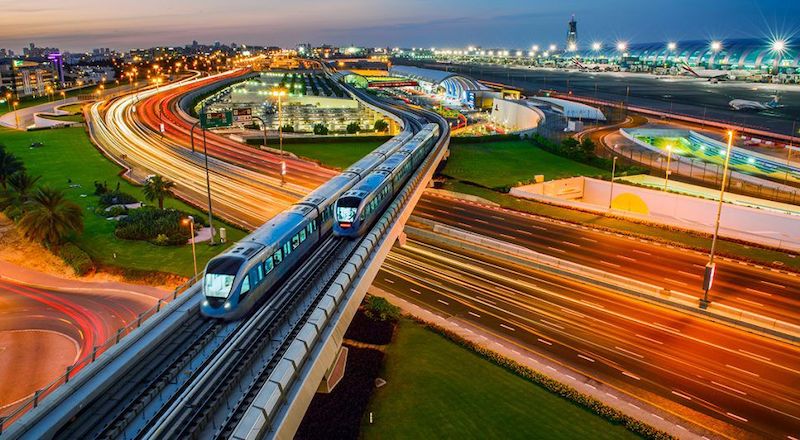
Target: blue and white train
(237, 280)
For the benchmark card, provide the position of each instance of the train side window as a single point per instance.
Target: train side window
(278, 257)
(302, 235)
(245, 285)
(287, 249)
(295, 241)
(268, 265)
(260, 273)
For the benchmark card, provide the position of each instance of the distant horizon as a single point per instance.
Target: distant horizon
(384, 23)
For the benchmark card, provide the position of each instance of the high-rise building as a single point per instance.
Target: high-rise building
(572, 35)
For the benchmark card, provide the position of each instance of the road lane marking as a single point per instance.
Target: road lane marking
(734, 416)
(670, 280)
(569, 243)
(680, 427)
(590, 240)
(757, 304)
(690, 274)
(415, 291)
(648, 339)
(481, 221)
(760, 292)
(741, 370)
(610, 264)
(665, 327)
(679, 394)
(591, 386)
(586, 358)
(629, 352)
(756, 355)
(632, 376)
(571, 377)
(497, 217)
(633, 260)
(593, 304)
(388, 280)
(612, 396)
(443, 302)
(551, 324)
(780, 286)
(729, 388)
(641, 252)
(657, 416)
(557, 249)
(544, 342)
(507, 327)
(474, 314)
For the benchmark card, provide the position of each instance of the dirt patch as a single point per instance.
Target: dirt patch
(16, 249)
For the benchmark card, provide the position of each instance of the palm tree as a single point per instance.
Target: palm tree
(158, 188)
(9, 164)
(22, 184)
(50, 217)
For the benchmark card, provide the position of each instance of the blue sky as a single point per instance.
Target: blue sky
(84, 24)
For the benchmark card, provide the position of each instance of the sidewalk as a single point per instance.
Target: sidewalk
(686, 426)
(20, 275)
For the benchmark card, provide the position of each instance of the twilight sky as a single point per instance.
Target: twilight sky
(123, 24)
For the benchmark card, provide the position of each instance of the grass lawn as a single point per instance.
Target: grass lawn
(337, 155)
(505, 163)
(71, 118)
(682, 238)
(436, 389)
(68, 154)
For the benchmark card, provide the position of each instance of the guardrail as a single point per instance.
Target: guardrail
(680, 301)
(19, 409)
(264, 417)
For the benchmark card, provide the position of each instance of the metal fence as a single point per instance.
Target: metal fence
(696, 171)
(16, 410)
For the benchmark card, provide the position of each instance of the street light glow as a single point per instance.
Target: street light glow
(553, 48)
(622, 46)
(672, 46)
(716, 46)
(596, 46)
(779, 46)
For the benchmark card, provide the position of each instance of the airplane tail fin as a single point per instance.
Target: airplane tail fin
(686, 67)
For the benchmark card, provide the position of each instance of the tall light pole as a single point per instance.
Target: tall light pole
(611, 190)
(190, 221)
(708, 279)
(280, 94)
(669, 162)
(789, 149)
(16, 114)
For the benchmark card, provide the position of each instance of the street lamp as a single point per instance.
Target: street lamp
(669, 161)
(708, 279)
(190, 221)
(16, 115)
(280, 94)
(611, 191)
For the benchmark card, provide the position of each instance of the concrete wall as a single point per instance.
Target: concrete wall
(738, 222)
(516, 115)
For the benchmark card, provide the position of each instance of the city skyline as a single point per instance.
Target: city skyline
(382, 23)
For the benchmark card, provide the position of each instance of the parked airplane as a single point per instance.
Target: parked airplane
(744, 104)
(713, 76)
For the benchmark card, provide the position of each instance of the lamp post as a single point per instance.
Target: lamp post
(16, 115)
(613, 172)
(190, 221)
(708, 279)
(8, 100)
(280, 94)
(669, 162)
(789, 149)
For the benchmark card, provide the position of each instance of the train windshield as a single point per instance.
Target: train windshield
(346, 209)
(220, 274)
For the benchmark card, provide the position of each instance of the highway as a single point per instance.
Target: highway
(240, 195)
(763, 291)
(737, 384)
(60, 326)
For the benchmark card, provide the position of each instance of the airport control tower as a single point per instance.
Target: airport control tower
(572, 35)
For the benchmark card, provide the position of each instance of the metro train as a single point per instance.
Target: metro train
(238, 279)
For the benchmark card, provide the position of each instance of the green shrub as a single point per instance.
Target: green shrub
(116, 198)
(320, 129)
(353, 128)
(115, 211)
(76, 258)
(150, 224)
(379, 309)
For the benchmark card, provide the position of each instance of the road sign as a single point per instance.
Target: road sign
(216, 119)
(242, 114)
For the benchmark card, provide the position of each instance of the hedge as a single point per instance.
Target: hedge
(601, 409)
(76, 258)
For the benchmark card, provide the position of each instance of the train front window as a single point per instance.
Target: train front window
(346, 209)
(220, 273)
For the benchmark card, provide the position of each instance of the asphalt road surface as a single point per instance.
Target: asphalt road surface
(42, 331)
(734, 383)
(762, 291)
(690, 96)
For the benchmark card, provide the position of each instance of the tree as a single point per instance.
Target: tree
(353, 128)
(22, 184)
(320, 129)
(158, 188)
(50, 217)
(9, 164)
(381, 125)
(287, 128)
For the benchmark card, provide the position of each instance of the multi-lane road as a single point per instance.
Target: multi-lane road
(730, 382)
(766, 292)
